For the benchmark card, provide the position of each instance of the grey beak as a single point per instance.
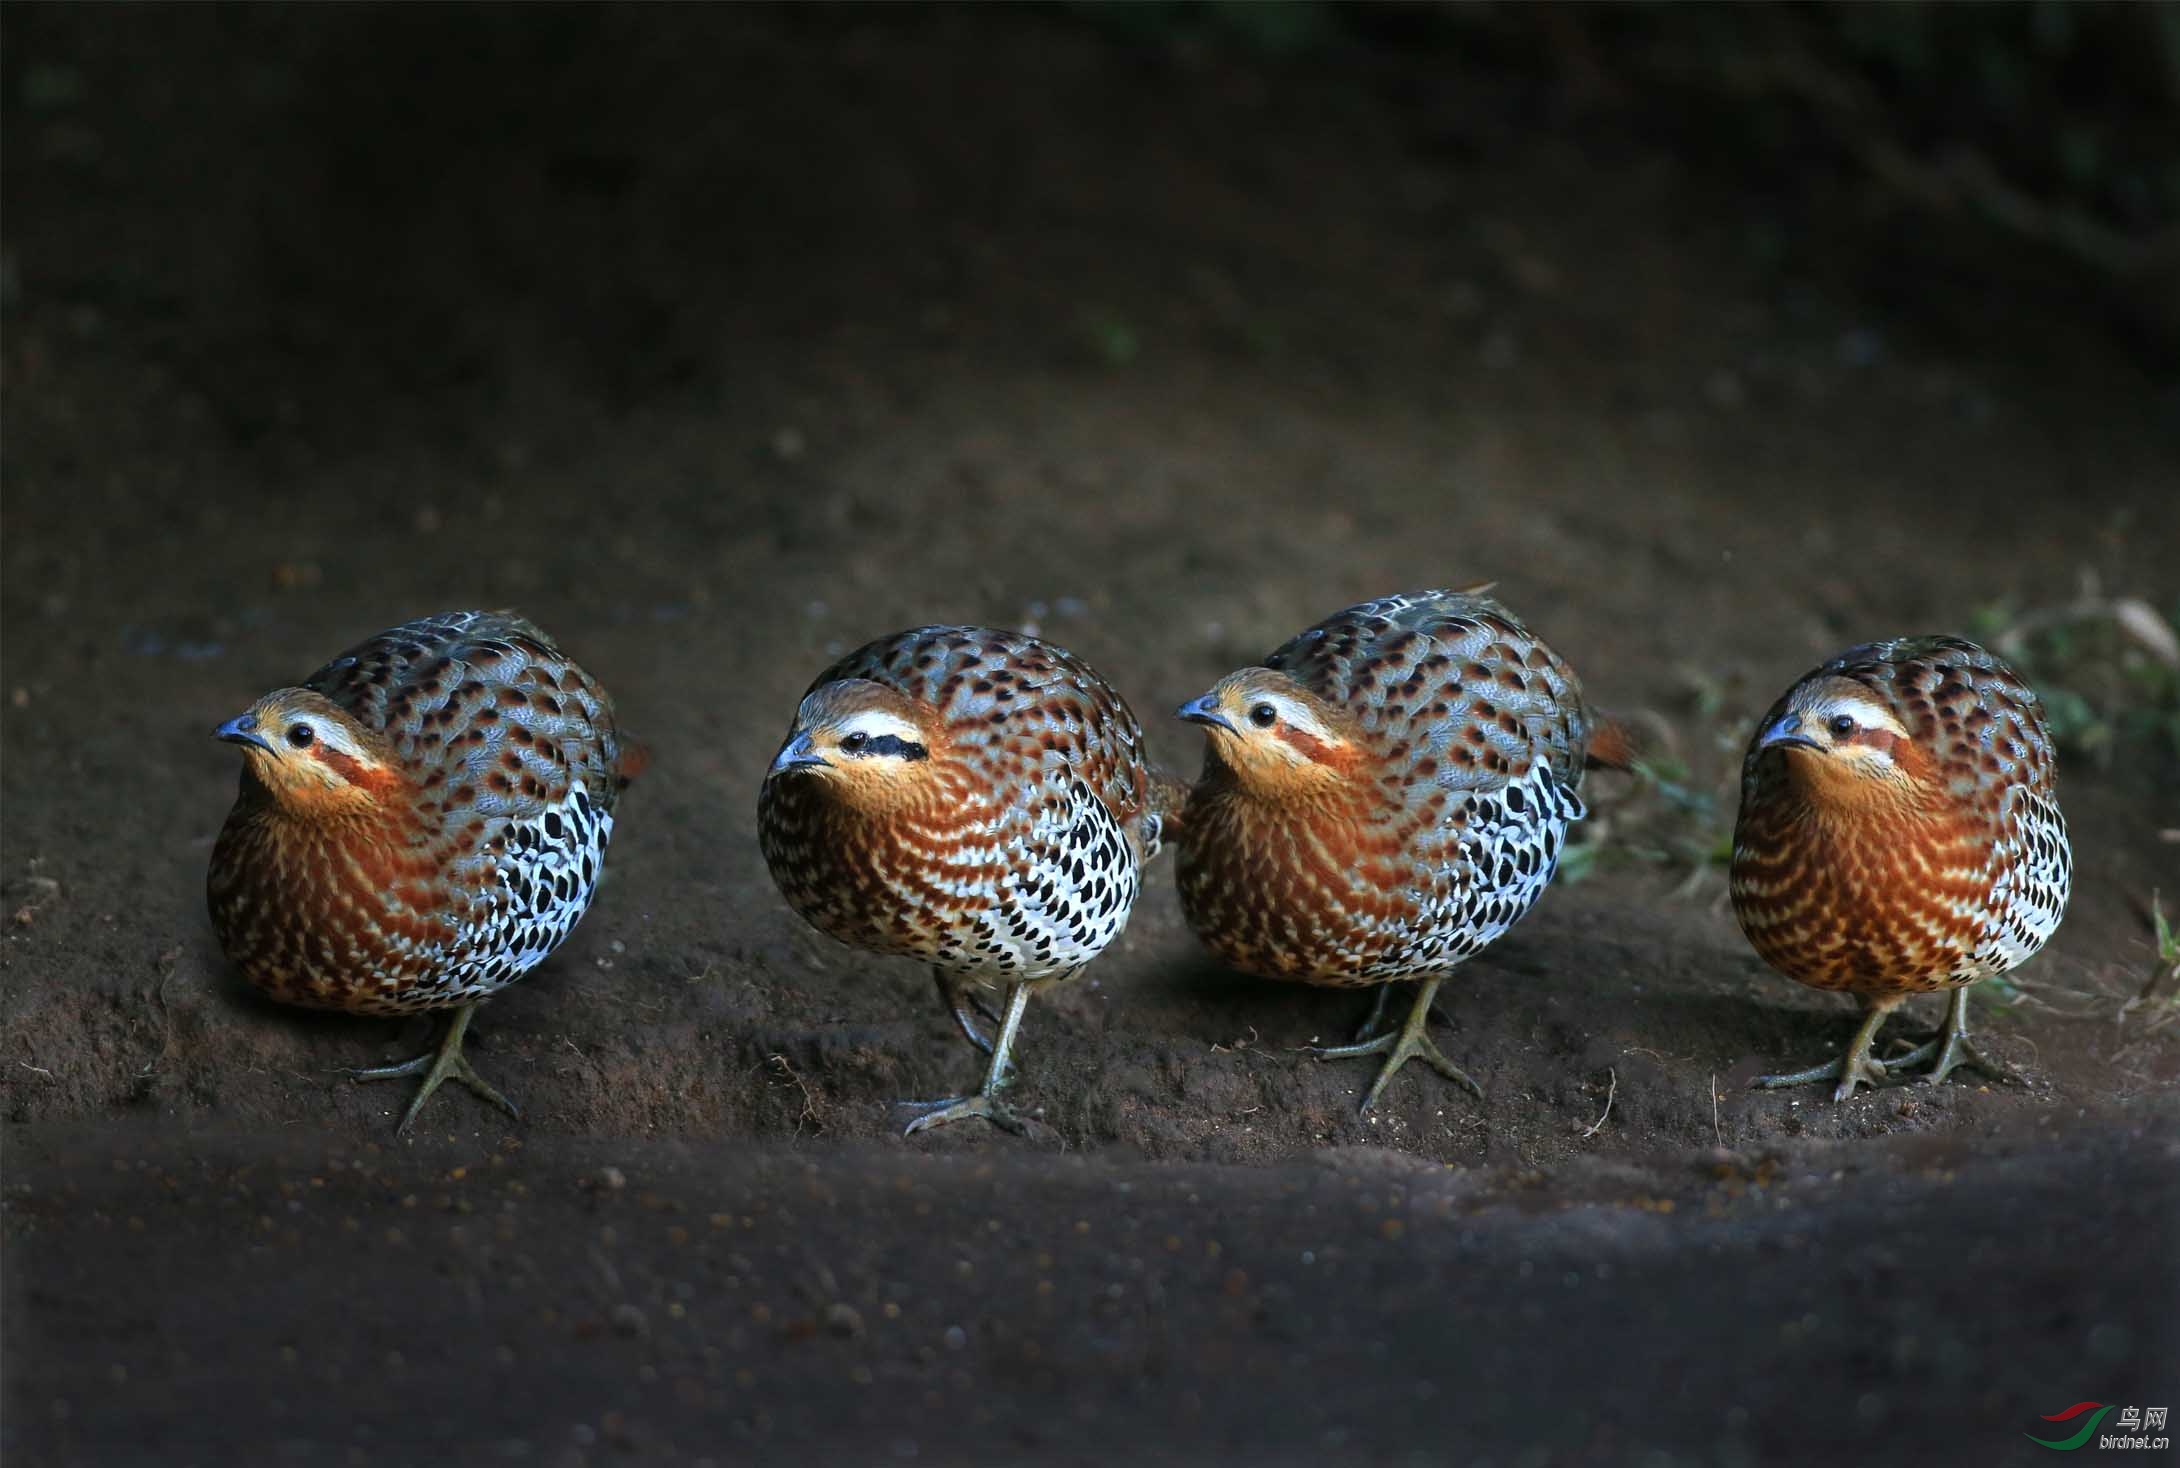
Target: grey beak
(1787, 734)
(242, 729)
(1204, 711)
(796, 754)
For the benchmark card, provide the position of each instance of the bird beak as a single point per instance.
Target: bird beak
(1205, 711)
(796, 754)
(242, 729)
(1787, 734)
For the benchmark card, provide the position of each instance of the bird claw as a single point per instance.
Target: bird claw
(960, 1108)
(1953, 1052)
(1958, 1050)
(1849, 1070)
(1399, 1047)
(1947, 1052)
(959, 1000)
(447, 1063)
(1914, 1055)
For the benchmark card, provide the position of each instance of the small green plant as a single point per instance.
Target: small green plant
(1998, 993)
(1111, 337)
(1679, 813)
(2168, 954)
(2158, 1010)
(1578, 861)
(2106, 668)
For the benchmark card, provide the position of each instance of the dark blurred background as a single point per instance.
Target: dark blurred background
(1770, 326)
(469, 204)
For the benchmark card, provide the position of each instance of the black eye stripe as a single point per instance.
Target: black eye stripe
(879, 746)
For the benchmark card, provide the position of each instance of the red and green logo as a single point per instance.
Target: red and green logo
(2089, 1428)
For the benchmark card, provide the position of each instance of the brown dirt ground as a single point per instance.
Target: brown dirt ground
(720, 342)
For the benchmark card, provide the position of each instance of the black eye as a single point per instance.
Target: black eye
(1842, 726)
(854, 743)
(300, 735)
(1264, 716)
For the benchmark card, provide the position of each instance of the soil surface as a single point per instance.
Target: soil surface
(721, 341)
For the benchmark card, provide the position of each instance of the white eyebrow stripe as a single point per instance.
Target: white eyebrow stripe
(1866, 712)
(324, 730)
(877, 723)
(1292, 712)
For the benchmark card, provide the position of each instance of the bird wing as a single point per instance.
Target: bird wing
(484, 707)
(1075, 880)
(2033, 867)
(1015, 695)
(1448, 683)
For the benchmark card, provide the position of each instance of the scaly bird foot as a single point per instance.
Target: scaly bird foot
(985, 1102)
(1951, 1051)
(960, 1108)
(1855, 1066)
(447, 1063)
(1959, 1050)
(1399, 1047)
(1850, 1070)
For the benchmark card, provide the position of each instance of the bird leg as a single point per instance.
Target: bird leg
(1853, 1068)
(1369, 1028)
(1952, 1048)
(959, 999)
(985, 1102)
(1399, 1047)
(445, 1064)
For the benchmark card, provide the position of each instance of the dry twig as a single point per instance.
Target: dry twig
(1612, 1089)
(785, 1067)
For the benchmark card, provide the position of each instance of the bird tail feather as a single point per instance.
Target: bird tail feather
(631, 760)
(1612, 745)
(1168, 805)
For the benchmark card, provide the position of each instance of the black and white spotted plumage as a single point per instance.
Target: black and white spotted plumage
(2033, 864)
(1503, 850)
(538, 887)
(1066, 893)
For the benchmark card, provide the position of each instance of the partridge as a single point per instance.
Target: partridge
(419, 823)
(1381, 799)
(975, 799)
(1899, 834)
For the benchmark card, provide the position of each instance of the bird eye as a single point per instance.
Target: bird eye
(854, 743)
(1264, 716)
(1842, 725)
(300, 735)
